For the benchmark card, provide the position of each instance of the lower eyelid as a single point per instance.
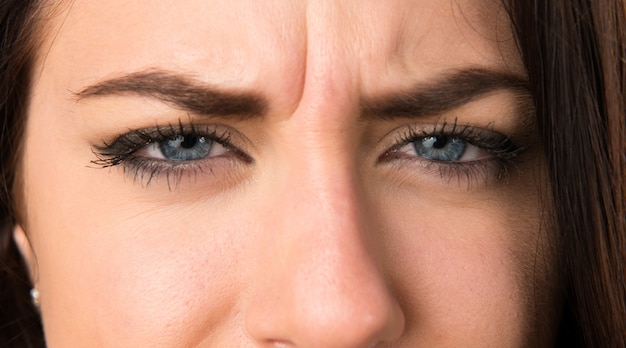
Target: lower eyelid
(152, 171)
(465, 175)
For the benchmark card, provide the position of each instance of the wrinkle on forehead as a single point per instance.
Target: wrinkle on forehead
(278, 47)
(394, 44)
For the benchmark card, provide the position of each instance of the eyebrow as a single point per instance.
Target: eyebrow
(180, 91)
(444, 94)
(424, 99)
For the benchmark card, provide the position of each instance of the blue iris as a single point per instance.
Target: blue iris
(440, 148)
(185, 148)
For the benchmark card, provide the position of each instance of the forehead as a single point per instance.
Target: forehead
(277, 45)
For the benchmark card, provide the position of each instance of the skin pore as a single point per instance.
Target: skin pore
(309, 218)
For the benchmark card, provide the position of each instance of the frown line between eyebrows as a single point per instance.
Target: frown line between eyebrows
(445, 94)
(181, 92)
(424, 99)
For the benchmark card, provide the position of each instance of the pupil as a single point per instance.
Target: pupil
(440, 142)
(189, 142)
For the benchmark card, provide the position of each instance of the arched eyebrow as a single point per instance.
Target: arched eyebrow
(447, 93)
(180, 91)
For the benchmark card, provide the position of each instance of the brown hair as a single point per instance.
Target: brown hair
(574, 52)
(20, 325)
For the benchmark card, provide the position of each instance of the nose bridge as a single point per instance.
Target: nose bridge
(321, 164)
(324, 287)
(322, 195)
(320, 190)
(321, 285)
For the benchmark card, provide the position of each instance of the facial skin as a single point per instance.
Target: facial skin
(324, 228)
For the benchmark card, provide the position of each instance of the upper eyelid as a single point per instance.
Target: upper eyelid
(123, 147)
(219, 132)
(119, 148)
(465, 132)
(485, 137)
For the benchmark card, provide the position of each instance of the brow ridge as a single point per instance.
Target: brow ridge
(180, 91)
(445, 94)
(423, 99)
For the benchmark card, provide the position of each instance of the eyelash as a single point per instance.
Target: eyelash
(503, 152)
(123, 150)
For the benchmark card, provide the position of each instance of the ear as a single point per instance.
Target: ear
(23, 244)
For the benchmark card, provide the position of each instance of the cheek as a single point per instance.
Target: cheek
(462, 270)
(131, 283)
(117, 269)
(167, 278)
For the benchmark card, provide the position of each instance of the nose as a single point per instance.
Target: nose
(318, 282)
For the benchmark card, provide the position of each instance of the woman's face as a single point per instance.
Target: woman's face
(285, 174)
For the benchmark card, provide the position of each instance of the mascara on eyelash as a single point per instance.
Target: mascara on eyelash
(495, 143)
(123, 151)
(124, 147)
(503, 153)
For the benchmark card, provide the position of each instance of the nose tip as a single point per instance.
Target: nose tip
(320, 310)
(346, 313)
(317, 284)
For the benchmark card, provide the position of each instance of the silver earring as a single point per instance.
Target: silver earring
(34, 296)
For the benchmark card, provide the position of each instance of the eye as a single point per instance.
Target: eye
(188, 147)
(463, 152)
(172, 152)
(443, 148)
